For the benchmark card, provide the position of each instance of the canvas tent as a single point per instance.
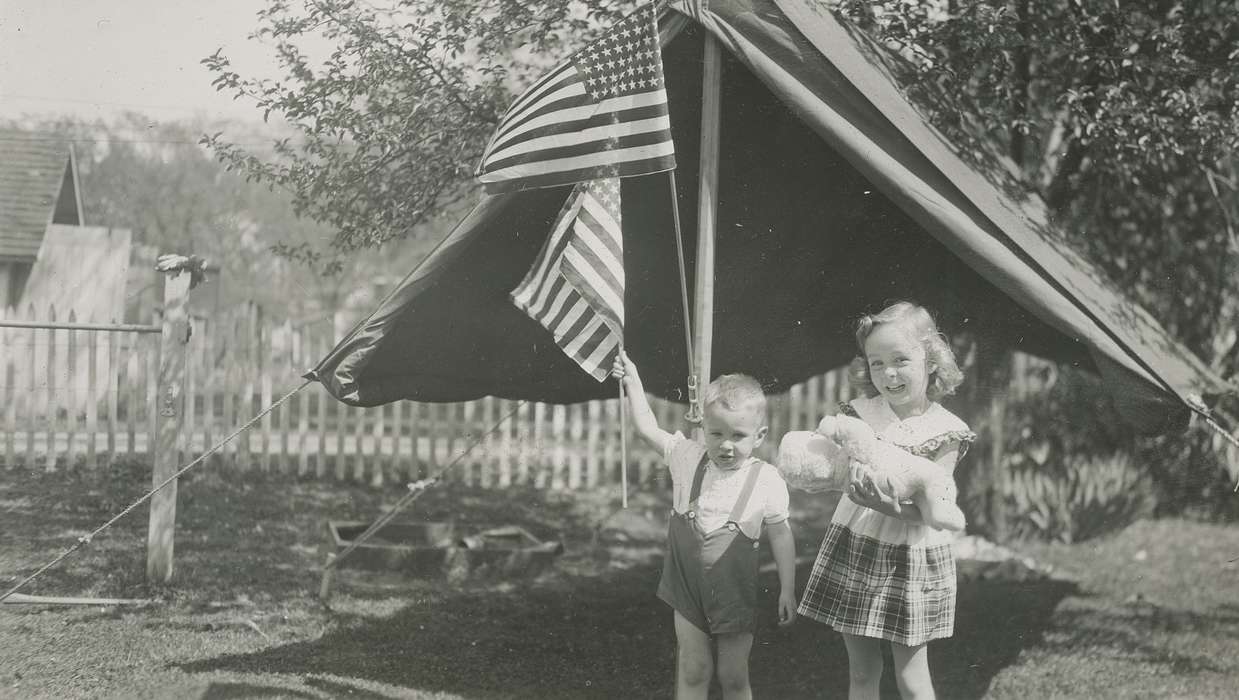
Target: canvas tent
(834, 196)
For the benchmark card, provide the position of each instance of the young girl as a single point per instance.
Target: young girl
(880, 573)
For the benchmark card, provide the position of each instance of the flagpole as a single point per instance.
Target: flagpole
(623, 440)
(707, 200)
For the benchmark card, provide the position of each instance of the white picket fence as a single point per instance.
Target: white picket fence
(77, 399)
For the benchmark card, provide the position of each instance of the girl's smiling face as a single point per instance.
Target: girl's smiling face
(898, 368)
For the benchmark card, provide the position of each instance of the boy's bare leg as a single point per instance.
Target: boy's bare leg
(694, 660)
(733, 665)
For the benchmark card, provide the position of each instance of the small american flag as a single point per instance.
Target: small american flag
(602, 110)
(576, 286)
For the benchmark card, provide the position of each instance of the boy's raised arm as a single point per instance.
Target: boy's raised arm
(642, 415)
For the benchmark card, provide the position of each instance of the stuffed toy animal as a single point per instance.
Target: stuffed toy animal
(819, 460)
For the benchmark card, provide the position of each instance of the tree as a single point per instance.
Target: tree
(1123, 119)
(390, 125)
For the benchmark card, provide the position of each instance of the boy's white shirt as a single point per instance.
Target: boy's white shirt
(720, 488)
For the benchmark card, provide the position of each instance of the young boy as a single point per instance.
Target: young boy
(722, 496)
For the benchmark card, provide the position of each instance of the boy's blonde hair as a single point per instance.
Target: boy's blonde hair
(945, 375)
(735, 392)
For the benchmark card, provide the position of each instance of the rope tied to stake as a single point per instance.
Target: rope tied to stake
(1197, 404)
(416, 489)
(1228, 438)
(87, 538)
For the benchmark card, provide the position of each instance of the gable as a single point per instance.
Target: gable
(34, 171)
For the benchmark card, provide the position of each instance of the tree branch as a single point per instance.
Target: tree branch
(450, 85)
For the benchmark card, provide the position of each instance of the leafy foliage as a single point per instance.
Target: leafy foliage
(1068, 458)
(1080, 500)
(1123, 117)
(391, 123)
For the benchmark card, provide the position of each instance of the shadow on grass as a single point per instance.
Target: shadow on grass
(1138, 632)
(607, 636)
(43, 515)
(223, 690)
(994, 621)
(598, 636)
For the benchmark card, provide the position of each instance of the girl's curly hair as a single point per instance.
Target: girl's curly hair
(945, 374)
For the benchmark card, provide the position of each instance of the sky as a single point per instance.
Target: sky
(90, 59)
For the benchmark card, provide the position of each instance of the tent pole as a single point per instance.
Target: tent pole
(707, 200)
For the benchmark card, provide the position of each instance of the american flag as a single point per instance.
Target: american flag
(602, 110)
(575, 288)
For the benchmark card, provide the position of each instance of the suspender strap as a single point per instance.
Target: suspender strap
(742, 500)
(695, 492)
(746, 492)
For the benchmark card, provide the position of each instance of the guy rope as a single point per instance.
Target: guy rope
(86, 539)
(415, 490)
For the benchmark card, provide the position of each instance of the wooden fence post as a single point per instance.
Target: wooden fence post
(182, 274)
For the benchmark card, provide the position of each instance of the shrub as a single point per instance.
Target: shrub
(1080, 499)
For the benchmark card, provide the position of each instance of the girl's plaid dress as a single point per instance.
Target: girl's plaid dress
(878, 576)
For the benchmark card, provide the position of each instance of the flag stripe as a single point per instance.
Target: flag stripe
(604, 106)
(550, 254)
(581, 335)
(591, 172)
(538, 295)
(575, 287)
(592, 273)
(569, 99)
(569, 319)
(604, 356)
(599, 242)
(603, 298)
(597, 306)
(602, 133)
(591, 121)
(645, 132)
(599, 269)
(595, 281)
(552, 297)
(661, 152)
(559, 78)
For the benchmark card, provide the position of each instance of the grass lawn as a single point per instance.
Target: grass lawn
(1145, 613)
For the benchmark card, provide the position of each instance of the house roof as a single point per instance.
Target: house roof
(33, 172)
